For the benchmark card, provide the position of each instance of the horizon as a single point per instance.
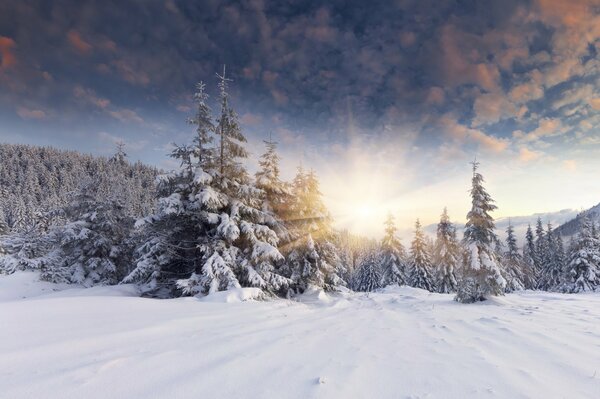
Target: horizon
(387, 111)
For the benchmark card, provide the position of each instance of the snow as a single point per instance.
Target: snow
(397, 343)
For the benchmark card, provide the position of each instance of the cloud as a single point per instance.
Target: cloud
(90, 96)
(27, 113)
(463, 134)
(7, 56)
(435, 95)
(77, 42)
(126, 115)
(532, 89)
(490, 108)
(547, 127)
(570, 165)
(595, 103)
(527, 155)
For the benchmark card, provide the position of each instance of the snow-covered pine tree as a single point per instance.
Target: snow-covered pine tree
(277, 194)
(541, 249)
(446, 255)
(582, 272)
(553, 266)
(513, 264)
(209, 226)
(481, 273)
(368, 275)
(312, 257)
(92, 247)
(392, 256)
(420, 261)
(530, 260)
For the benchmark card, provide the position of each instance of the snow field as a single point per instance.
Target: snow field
(399, 343)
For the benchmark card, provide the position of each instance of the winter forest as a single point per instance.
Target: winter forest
(210, 226)
(342, 199)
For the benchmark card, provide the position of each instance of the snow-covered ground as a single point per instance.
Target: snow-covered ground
(401, 343)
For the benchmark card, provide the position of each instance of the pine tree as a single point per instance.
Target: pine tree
(392, 256)
(368, 275)
(514, 265)
(530, 260)
(446, 255)
(312, 257)
(582, 272)
(209, 226)
(420, 263)
(553, 265)
(541, 250)
(93, 245)
(481, 273)
(277, 195)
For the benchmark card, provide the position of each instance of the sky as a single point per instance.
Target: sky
(388, 101)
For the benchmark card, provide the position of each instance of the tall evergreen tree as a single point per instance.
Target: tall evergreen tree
(514, 265)
(368, 275)
(312, 257)
(530, 259)
(552, 268)
(446, 255)
(481, 273)
(420, 261)
(541, 249)
(582, 272)
(276, 194)
(209, 225)
(392, 255)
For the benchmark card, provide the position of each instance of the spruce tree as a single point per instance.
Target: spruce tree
(420, 261)
(276, 194)
(446, 255)
(481, 273)
(530, 260)
(541, 250)
(582, 272)
(392, 256)
(514, 265)
(368, 275)
(312, 257)
(553, 265)
(209, 226)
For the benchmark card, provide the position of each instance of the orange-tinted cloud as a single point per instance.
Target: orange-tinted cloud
(27, 113)
(80, 45)
(7, 55)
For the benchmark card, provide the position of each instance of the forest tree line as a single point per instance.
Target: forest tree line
(211, 226)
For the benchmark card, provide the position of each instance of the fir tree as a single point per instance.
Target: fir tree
(582, 272)
(541, 250)
(276, 194)
(368, 276)
(513, 263)
(530, 260)
(446, 255)
(481, 273)
(210, 226)
(392, 255)
(312, 257)
(553, 265)
(420, 263)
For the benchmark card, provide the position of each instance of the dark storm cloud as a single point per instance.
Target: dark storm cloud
(459, 72)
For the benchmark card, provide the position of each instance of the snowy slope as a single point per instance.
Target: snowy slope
(572, 226)
(401, 343)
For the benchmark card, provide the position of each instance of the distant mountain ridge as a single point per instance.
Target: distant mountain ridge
(572, 226)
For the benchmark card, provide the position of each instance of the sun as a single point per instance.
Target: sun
(366, 210)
